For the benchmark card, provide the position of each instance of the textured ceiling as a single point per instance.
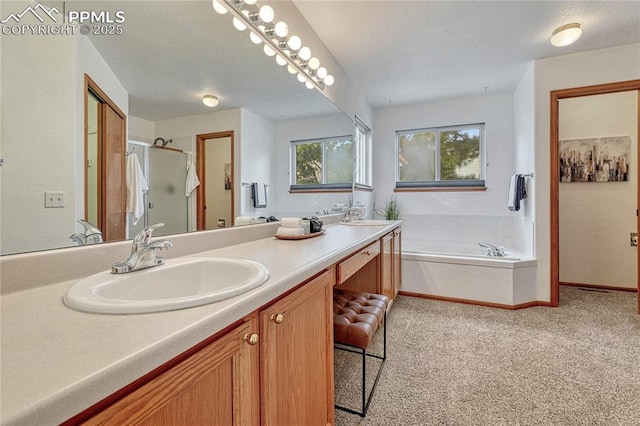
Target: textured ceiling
(404, 52)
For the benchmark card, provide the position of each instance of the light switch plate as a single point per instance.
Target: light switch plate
(53, 199)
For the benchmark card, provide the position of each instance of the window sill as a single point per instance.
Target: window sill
(309, 191)
(443, 189)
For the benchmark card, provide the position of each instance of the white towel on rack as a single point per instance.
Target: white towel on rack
(192, 178)
(136, 188)
(262, 194)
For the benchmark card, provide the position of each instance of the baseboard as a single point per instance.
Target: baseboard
(476, 302)
(603, 287)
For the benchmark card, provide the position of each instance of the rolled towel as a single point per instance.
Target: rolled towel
(244, 220)
(291, 222)
(290, 232)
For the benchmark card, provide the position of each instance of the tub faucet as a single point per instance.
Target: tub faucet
(144, 254)
(493, 250)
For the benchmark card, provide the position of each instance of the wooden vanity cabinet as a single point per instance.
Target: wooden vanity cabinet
(296, 354)
(386, 266)
(397, 260)
(391, 263)
(360, 271)
(216, 385)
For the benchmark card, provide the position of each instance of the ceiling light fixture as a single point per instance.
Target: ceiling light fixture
(210, 100)
(566, 35)
(287, 50)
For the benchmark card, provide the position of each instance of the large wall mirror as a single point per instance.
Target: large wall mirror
(155, 67)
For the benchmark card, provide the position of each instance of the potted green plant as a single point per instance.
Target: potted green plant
(391, 211)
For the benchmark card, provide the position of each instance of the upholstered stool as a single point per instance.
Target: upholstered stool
(356, 318)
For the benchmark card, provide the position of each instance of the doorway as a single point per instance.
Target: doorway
(555, 175)
(104, 162)
(216, 193)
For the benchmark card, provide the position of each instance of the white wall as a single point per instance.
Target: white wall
(292, 130)
(620, 63)
(597, 217)
(30, 151)
(523, 153)
(493, 110)
(141, 130)
(258, 142)
(49, 156)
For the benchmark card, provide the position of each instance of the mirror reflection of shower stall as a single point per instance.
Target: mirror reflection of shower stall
(165, 202)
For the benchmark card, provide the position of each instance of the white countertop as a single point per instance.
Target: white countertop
(56, 362)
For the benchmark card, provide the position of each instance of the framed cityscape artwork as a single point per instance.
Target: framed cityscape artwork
(595, 159)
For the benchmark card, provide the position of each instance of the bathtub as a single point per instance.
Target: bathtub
(462, 272)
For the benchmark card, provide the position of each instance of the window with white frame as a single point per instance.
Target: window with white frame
(322, 164)
(362, 149)
(440, 157)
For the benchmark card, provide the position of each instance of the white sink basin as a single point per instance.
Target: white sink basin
(179, 283)
(366, 222)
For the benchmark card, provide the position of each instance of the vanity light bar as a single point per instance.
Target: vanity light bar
(255, 19)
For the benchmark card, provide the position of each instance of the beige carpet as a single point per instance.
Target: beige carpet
(454, 364)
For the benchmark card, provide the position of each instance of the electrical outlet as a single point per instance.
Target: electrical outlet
(53, 199)
(634, 239)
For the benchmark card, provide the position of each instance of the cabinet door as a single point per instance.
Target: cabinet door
(386, 269)
(217, 385)
(296, 356)
(397, 261)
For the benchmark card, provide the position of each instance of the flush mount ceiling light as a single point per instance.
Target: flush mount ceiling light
(210, 100)
(287, 50)
(566, 35)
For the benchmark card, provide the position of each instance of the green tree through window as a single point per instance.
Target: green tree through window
(323, 162)
(440, 156)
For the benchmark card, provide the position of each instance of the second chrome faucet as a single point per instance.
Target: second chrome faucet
(144, 253)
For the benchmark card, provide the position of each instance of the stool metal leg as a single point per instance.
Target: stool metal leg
(367, 401)
(364, 381)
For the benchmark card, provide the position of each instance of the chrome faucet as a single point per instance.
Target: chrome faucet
(493, 250)
(351, 214)
(144, 254)
(91, 234)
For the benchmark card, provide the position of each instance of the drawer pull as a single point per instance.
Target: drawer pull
(368, 252)
(251, 339)
(278, 319)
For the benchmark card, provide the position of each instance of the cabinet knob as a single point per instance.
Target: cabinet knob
(278, 319)
(251, 339)
(368, 252)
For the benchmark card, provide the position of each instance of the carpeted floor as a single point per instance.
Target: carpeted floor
(455, 364)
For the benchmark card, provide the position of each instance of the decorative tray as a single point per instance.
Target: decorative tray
(299, 237)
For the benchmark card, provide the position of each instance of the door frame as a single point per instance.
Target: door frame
(91, 86)
(200, 171)
(555, 97)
